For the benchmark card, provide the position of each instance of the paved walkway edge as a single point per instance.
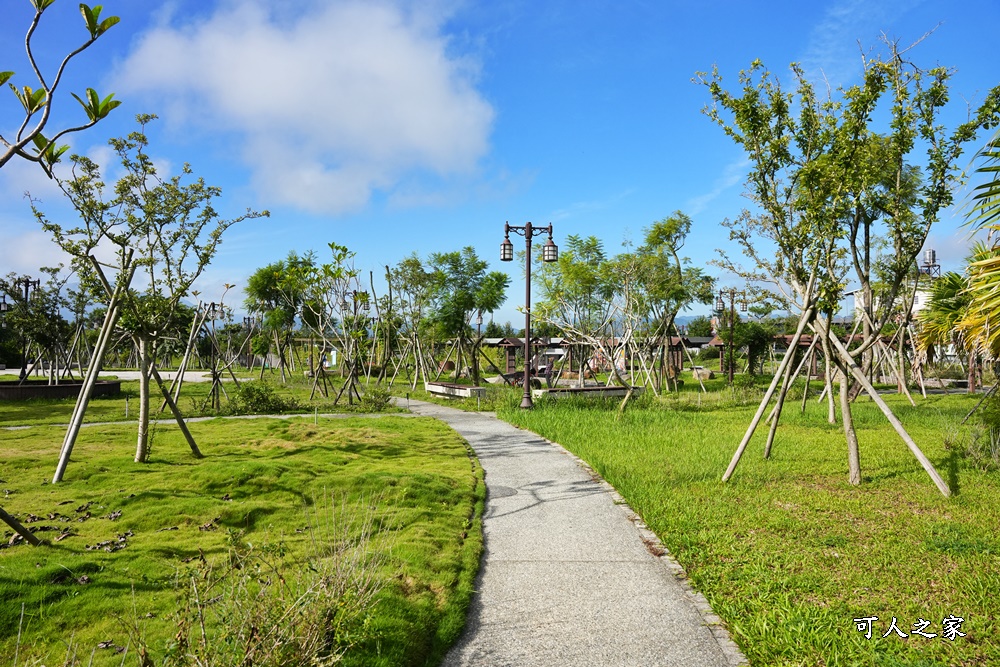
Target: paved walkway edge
(655, 547)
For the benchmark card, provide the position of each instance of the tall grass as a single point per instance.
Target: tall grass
(789, 553)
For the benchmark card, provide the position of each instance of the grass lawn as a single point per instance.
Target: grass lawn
(271, 493)
(787, 552)
(194, 401)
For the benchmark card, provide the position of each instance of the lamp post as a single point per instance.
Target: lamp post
(479, 342)
(720, 305)
(550, 253)
(28, 284)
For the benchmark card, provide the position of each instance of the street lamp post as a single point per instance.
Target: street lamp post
(720, 305)
(28, 285)
(479, 341)
(550, 253)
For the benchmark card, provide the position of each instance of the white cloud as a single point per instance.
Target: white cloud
(25, 251)
(733, 174)
(21, 177)
(342, 99)
(848, 26)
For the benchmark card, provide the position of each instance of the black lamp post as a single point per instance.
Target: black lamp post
(720, 305)
(479, 341)
(550, 253)
(28, 284)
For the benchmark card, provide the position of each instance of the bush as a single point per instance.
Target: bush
(376, 398)
(259, 398)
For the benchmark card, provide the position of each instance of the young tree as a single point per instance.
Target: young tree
(978, 325)
(412, 288)
(277, 300)
(669, 283)
(821, 176)
(700, 326)
(28, 141)
(37, 105)
(461, 287)
(165, 229)
(576, 293)
(334, 309)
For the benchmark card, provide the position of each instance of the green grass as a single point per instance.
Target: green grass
(259, 483)
(193, 402)
(788, 553)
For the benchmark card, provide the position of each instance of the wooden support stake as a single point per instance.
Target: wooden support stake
(19, 529)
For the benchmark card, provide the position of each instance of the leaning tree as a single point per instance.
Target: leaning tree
(164, 229)
(822, 176)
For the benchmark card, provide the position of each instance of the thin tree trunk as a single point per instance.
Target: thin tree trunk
(831, 408)
(142, 438)
(853, 452)
(887, 411)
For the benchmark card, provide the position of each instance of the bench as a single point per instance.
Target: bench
(453, 390)
(600, 392)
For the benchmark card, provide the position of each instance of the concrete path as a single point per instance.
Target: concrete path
(569, 576)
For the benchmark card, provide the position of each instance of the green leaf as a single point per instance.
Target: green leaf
(40, 142)
(31, 100)
(90, 18)
(107, 106)
(5, 76)
(86, 107)
(41, 5)
(107, 23)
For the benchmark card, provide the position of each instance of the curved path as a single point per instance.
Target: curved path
(569, 575)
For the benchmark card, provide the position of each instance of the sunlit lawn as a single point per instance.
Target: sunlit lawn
(787, 552)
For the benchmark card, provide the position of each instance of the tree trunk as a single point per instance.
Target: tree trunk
(887, 411)
(853, 453)
(142, 439)
(831, 408)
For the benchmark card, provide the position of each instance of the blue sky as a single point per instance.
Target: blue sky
(393, 127)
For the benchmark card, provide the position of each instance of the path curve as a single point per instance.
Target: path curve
(569, 575)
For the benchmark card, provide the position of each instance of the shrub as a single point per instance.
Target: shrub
(257, 398)
(375, 399)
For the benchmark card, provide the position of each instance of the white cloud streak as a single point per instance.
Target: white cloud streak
(346, 98)
(848, 26)
(733, 174)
